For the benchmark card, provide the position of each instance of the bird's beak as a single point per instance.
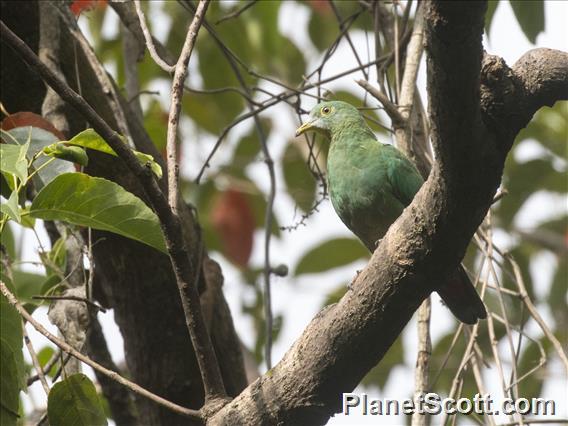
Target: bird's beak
(304, 127)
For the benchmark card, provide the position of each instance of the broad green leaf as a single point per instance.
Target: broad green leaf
(100, 204)
(300, 182)
(331, 254)
(74, 402)
(530, 15)
(26, 285)
(38, 139)
(13, 160)
(91, 139)
(11, 207)
(12, 373)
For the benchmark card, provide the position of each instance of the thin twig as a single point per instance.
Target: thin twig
(75, 298)
(534, 313)
(390, 108)
(48, 366)
(271, 195)
(150, 42)
(35, 360)
(275, 101)
(236, 13)
(421, 373)
(65, 347)
(175, 103)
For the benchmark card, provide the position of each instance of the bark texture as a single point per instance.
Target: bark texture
(136, 281)
(477, 106)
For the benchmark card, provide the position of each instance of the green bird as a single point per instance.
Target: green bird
(370, 184)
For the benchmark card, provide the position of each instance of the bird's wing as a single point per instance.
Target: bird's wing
(403, 176)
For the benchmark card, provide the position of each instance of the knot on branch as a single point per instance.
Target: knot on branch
(501, 96)
(510, 96)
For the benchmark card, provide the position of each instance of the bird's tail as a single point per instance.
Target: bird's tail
(458, 293)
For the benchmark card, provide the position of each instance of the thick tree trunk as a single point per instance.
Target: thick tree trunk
(134, 280)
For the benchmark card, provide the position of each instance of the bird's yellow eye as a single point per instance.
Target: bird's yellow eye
(325, 110)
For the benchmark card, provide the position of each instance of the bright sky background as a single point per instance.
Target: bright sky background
(300, 299)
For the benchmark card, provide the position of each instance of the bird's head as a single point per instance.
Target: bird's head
(328, 117)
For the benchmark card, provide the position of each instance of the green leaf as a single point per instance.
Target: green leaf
(156, 123)
(38, 139)
(300, 182)
(548, 127)
(12, 373)
(530, 15)
(11, 207)
(55, 259)
(331, 254)
(491, 8)
(74, 402)
(74, 154)
(44, 356)
(248, 148)
(13, 160)
(100, 204)
(523, 179)
(26, 285)
(322, 27)
(91, 139)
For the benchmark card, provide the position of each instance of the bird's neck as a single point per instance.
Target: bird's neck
(352, 134)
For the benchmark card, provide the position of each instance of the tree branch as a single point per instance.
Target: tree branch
(65, 347)
(175, 103)
(340, 345)
(183, 269)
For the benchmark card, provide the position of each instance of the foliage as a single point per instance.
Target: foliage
(40, 180)
(74, 402)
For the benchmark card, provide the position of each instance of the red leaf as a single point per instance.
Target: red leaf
(26, 118)
(233, 219)
(79, 6)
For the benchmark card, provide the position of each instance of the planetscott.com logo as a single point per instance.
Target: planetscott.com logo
(432, 403)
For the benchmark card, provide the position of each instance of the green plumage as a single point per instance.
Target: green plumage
(371, 183)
